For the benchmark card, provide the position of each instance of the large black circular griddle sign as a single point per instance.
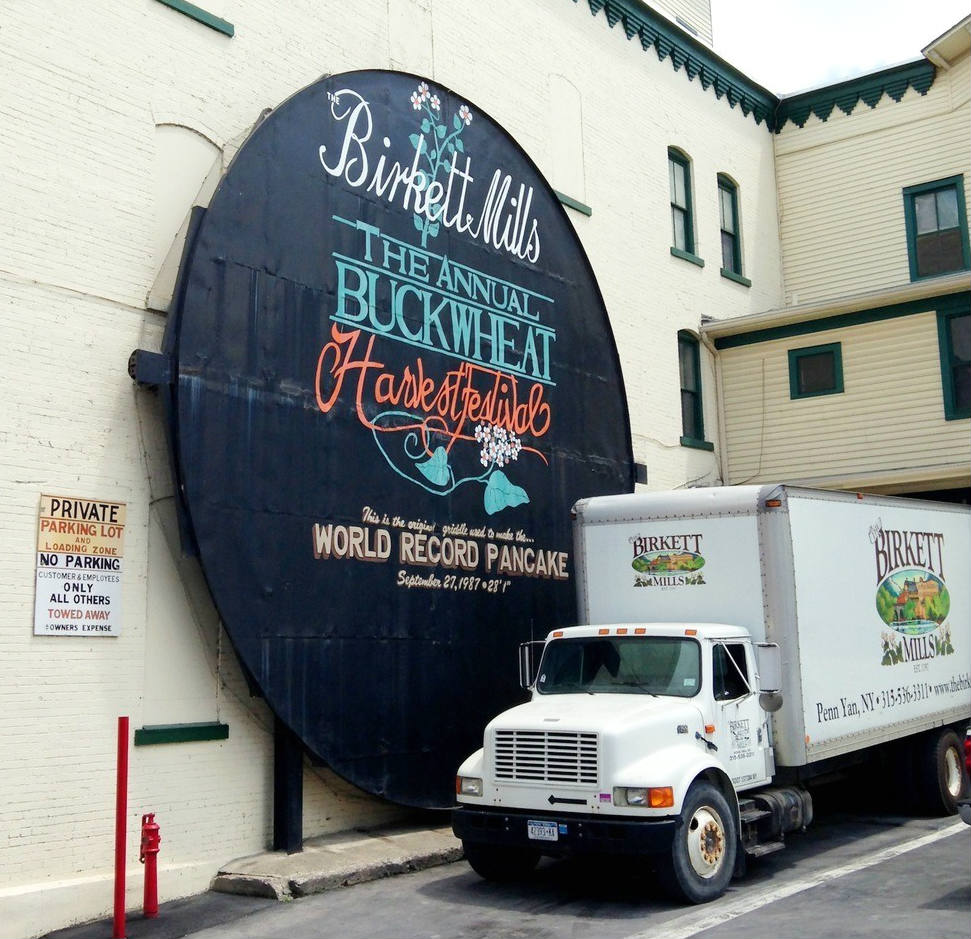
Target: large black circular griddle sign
(395, 377)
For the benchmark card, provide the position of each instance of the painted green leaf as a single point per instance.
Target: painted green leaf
(440, 130)
(425, 126)
(433, 229)
(419, 222)
(417, 142)
(459, 145)
(500, 493)
(435, 469)
(457, 122)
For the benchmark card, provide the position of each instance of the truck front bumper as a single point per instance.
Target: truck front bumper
(575, 834)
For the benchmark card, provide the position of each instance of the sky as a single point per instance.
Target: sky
(794, 45)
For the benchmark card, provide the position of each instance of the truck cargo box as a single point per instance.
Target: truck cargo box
(867, 596)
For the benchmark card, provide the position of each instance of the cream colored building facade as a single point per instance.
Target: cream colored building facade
(120, 117)
(894, 416)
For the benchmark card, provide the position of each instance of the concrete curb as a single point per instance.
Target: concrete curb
(331, 861)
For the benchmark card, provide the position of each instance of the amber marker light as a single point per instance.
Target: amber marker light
(661, 797)
(558, 634)
(603, 632)
(773, 503)
(691, 632)
(640, 631)
(709, 728)
(622, 631)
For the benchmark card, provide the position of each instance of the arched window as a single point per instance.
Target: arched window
(692, 411)
(682, 223)
(731, 242)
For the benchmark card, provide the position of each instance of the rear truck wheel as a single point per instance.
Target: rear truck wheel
(499, 863)
(940, 772)
(705, 847)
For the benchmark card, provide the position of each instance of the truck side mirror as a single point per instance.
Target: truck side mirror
(529, 655)
(768, 657)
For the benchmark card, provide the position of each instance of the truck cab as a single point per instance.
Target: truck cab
(635, 740)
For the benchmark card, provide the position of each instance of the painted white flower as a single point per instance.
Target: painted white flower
(436, 104)
(465, 114)
(416, 100)
(423, 90)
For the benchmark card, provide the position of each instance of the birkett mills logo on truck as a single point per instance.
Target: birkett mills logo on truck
(912, 596)
(667, 560)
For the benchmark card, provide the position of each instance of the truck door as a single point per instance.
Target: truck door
(741, 726)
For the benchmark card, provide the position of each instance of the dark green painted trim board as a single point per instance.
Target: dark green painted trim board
(698, 61)
(573, 203)
(869, 89)
(687, 53)
(201, 16)
(877, 314)
(688, 256)
(696, 444)
(180, 733)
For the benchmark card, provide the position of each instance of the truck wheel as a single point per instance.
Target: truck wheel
(502, 864)
(940, 772)
(704, 848)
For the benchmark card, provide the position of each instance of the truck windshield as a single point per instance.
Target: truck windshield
(657, 665)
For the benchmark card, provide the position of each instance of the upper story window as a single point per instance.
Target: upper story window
(731, 242)
(682, 221)
(954, 335)
(816, 370)
(692, 411)
(937, 228)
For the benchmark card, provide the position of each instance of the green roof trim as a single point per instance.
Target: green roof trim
(844, 320)
(688, 54)
(697, 60)
(846, 95)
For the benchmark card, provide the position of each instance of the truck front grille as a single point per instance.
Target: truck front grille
(546, 756)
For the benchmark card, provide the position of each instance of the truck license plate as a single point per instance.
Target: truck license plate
(542, 831)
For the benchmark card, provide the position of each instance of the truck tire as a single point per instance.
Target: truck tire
(498, 863)
(940, 772)
(705, 847)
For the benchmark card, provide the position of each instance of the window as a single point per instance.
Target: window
(816, 370)
(937, 228)
(730, 238)
(682, 221)
(730, 674)
(692, 411)
(954, 335)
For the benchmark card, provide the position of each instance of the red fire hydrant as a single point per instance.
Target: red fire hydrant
(149, 857)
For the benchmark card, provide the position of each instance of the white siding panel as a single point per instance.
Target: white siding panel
(772, 437)
(841, 186)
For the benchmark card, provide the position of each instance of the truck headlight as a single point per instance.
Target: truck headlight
(468, 786)
(654, 797)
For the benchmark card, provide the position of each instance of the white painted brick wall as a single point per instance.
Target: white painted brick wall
(85, 86)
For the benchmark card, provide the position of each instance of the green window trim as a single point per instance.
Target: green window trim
(692, 402)
(572, 203)
(682, 207)
(796, 356)
(180, 733)
(738, 278)
(910, 194)
(688, 256)
(730, 230)
(951, 363)
(697, 444)
(201, 16)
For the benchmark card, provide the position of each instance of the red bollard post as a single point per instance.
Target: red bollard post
(149, 857)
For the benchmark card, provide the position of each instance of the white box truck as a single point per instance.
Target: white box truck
(740, 643)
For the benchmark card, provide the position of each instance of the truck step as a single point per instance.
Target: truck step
(767, 847)
(753, 815)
